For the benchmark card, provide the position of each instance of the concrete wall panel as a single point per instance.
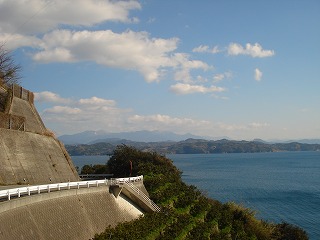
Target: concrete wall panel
(33, 157)
(75, 214)
(23, 108)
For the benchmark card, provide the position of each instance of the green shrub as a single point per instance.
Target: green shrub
(286, 231)
(186, 213)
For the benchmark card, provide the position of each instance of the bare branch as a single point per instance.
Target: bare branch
(9, 70)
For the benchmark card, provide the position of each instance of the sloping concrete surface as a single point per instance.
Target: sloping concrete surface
(32, 156)
(78, 215)
(23, 108)
(29, 158)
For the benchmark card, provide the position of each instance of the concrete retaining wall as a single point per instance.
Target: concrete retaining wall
(34, 156)
(23, 108)
(73, 214)
(27, 157)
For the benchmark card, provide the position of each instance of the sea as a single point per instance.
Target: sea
(278, 186)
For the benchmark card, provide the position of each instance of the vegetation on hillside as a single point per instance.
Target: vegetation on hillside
(192, 146)
(186, 212)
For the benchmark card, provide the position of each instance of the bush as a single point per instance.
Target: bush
(95, 169)
(186, 213)
(286, 231)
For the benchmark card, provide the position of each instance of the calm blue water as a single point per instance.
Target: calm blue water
(281, 186)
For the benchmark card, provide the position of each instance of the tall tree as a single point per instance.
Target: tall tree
(9, 70)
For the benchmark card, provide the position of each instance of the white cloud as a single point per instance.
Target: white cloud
(206, 49)
(257, 74)
(201, 48)
(51, 97)
(184, 67)
(82, 114)
(95, 113)
(63, 110)
(13, 41)
(128, 50)
(220, 76)
(98, 113)
(256, 125)
(38, 16)
(163, 119)
(33, 23)
(255, 50)
(183, 88)
(168, 123)
(97, 102)
(243, 127)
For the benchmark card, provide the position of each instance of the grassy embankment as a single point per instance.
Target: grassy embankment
(186, 212)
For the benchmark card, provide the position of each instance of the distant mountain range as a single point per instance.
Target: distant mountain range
(91, 137)
(191, 146)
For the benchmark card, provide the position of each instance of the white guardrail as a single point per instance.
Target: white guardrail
(144, 197)
(7, 194)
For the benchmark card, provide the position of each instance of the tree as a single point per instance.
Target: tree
(128, 161)
(287, 231)
(9, 70)
(95, 169)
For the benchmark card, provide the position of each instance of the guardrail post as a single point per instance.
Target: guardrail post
(78, 184)
(68, 185)
(28, 189)
(9, 195)
(58, 187)
(38, 189)
(97, 183)
(18, 192)
(48, 188)
(88, 185)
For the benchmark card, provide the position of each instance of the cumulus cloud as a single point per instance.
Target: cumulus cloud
(38, 16)
(81, 114)
(97, 101)
(13, 41)
(94, 113)
(169, 123)
(257, 125)
(255, 50)
(184, 66)
(220, 76)
(257, 74)
(206, 49)
(63, 110)
(51, 97)
(183, 88)
(33, 23)
(98, 113)
(128, 50)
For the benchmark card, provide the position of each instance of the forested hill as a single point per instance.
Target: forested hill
(191, 146)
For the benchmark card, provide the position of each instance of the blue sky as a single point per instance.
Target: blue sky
(242, 69)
